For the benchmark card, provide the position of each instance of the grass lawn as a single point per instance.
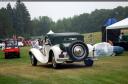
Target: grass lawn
(106, 70)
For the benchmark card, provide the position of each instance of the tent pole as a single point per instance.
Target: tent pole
(106, 35)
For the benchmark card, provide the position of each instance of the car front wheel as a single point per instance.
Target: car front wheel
(33, 60)
(6, 56)
(54, 64)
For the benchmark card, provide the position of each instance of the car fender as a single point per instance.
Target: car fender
(38, 55)
(57, 51)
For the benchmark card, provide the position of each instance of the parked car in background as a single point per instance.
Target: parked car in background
(2, 44)
(11, 49)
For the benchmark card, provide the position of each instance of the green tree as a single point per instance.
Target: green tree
(6, 29)
(42, 25)
(21, 19)
(10, 18)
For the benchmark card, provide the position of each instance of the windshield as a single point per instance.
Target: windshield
(11, 43)
(66, 39)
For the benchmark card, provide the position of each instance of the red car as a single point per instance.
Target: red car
(11, 49)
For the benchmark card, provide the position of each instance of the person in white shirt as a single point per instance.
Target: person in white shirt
(121, 37)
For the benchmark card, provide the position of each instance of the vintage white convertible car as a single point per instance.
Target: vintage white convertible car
(61, 48)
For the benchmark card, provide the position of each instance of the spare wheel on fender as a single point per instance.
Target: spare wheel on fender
(78, 50)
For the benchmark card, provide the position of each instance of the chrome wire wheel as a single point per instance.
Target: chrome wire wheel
(33, 60)
(78, 51)
(54, 62)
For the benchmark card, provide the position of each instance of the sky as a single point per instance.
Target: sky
(60, 10)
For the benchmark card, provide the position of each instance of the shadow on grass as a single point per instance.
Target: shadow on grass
(65, 66)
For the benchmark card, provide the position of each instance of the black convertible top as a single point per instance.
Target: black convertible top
(57, 38)
(64, 34)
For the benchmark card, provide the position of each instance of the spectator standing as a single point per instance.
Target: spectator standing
(121, 37)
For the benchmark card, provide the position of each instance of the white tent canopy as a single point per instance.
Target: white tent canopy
(50, 32)
(119, 25)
